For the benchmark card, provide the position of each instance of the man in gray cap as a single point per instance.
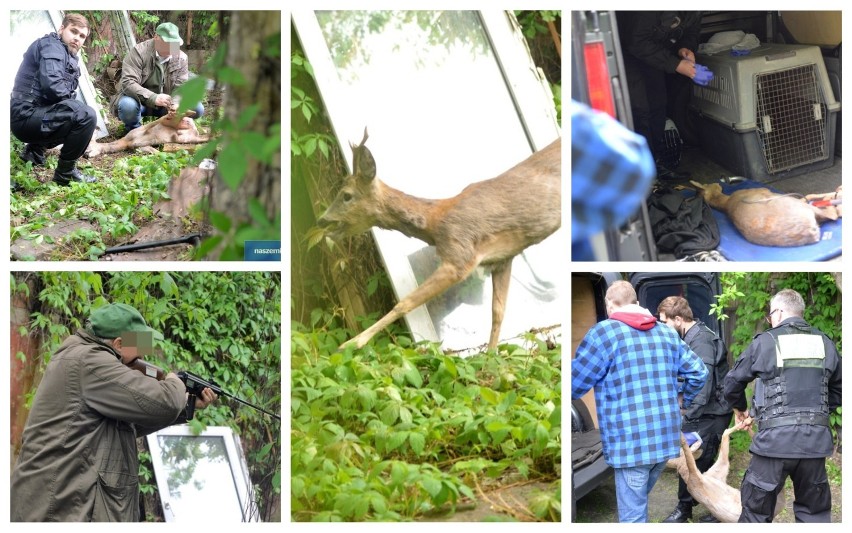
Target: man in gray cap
(78, 459)
(149, 75)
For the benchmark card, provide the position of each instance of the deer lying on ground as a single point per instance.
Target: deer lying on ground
(170, 128)
(711, 488)
(767, 218)
(485, 224)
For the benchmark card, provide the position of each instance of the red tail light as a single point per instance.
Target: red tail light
(600, 89)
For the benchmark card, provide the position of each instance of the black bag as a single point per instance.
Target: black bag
(681, 225)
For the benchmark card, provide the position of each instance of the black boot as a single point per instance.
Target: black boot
(34, 154)
(682, 513)
(66, 172)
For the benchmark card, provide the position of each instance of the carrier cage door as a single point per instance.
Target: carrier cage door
(791, 118)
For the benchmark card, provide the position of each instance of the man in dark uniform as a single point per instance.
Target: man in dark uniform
(797, 373)
(709, 415)
(44, 109)
(654, 44)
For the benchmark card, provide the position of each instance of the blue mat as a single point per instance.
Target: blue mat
(735, 248)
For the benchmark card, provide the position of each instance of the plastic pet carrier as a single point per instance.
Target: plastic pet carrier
(770, 114)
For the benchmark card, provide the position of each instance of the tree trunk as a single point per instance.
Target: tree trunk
(248, 34)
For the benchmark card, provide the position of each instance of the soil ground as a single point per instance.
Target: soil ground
(600, 504)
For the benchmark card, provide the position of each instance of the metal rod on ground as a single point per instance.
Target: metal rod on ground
(192, 238)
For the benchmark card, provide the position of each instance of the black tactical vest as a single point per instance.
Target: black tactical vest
(799, 393)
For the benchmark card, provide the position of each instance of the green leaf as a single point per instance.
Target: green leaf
(431, 486)
(191, 93)
(220, 221)
(390, 413)
(232, 76)
(247, 116)
(397, 439)
(232, 165)
(417, 441)
(489, 395)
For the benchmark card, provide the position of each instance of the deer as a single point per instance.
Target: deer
(767, 218)
(170, 128)
(485, 224)
(711, 487)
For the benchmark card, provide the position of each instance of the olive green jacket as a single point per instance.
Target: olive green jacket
(143, 77)
(78, 460)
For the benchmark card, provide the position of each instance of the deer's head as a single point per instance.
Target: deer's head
(354, 209)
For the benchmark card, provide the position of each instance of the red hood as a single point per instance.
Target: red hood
(634, 316)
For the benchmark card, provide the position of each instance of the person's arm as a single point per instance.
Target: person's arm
(589, 365)
(121, 393)
(705, 349)
(131, 79)
(51, 72)
(739, 377)
(835, 385)
(642, 45)
(694, 373)
(691, 32)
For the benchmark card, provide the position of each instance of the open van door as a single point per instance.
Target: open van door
(699, 289)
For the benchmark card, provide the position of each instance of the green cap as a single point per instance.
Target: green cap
(169, 33)
(114, 320)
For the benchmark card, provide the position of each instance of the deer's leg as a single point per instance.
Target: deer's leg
(442, 279)
(501, 275)
(720, 468)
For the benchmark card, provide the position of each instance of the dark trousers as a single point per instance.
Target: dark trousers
(70, 123)
(765, 478)
(648, 96)
(710, 428)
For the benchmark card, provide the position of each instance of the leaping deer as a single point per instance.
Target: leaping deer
(487, 223)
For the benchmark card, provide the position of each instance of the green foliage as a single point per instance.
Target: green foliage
(116, 206)
(223, 326)
(300, 102)
(535, 22)
(238, 143)
(396, 430)
(748, 294)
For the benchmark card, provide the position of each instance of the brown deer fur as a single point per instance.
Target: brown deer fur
(487, 223)
(170, 128)
(711, 488)
(767, 218)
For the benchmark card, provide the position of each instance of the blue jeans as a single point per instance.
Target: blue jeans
(130, 112)
(632, 486)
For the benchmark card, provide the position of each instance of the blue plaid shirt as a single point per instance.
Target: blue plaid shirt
(612, 171)
(634, 374)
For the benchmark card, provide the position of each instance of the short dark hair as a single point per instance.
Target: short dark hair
(674, 306)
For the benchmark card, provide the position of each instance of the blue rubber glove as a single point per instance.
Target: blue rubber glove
(703, 75)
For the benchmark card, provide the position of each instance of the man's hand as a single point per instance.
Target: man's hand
(163, 100)
(740, 416)
(207, 397)
(686, 68)
(686, 53)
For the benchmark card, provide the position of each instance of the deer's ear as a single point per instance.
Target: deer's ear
(363, 164)
(366, 166)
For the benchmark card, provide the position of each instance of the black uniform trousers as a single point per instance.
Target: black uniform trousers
(710, 428)
(765, 478)
(648, 99)
(70, 123)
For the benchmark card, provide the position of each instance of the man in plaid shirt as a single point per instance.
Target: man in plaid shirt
(634, 364)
